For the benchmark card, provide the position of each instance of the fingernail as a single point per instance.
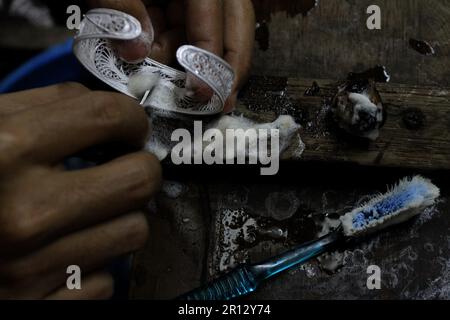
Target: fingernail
(190, 93)
(136, 50)
(230, 104)
(197, 89)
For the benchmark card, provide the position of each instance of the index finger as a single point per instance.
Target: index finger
(19, 101)
(239, 40)
(48, 133)
(204, 24)
(204, 29)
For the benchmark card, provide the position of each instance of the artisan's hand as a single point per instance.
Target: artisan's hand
(51, 218)
(223, 27)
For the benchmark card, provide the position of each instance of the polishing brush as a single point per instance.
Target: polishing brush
(410, 197)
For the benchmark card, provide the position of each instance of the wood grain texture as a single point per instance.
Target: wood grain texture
(173, 262)
(424, 147)
(333, 40)
(328, 43)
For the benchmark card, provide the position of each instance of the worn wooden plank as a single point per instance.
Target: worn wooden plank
(421, 145)
(328, 43)
(413, 257)
(173, 261)
(333, 39)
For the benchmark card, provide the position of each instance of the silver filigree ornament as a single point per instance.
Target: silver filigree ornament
(92, 47)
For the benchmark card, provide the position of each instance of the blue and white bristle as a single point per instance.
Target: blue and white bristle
(405, 200)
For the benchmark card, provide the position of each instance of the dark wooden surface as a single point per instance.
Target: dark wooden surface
(296, 46)
(413, 258)
(333, 40)
(298, 43)
(421, 144)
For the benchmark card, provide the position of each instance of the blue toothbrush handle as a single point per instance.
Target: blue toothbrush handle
(246, 278)
(238, 282)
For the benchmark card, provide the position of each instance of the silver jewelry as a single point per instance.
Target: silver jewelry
(93, 49)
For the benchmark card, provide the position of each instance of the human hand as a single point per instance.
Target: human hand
(51, 218)
(223, 27)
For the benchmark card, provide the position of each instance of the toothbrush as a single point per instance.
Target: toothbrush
(404, 201)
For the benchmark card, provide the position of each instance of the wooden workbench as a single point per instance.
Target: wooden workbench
(293, 50)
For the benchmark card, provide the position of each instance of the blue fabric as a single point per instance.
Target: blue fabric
(58, 64)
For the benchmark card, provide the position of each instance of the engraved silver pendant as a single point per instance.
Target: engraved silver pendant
(93, 49)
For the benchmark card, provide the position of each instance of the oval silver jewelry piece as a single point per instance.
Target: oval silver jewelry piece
(93, 49)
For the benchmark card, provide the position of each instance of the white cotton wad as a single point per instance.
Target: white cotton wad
(359, 113)
(161, 145)
(286, 126)
(141, 82)
(362, 103)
